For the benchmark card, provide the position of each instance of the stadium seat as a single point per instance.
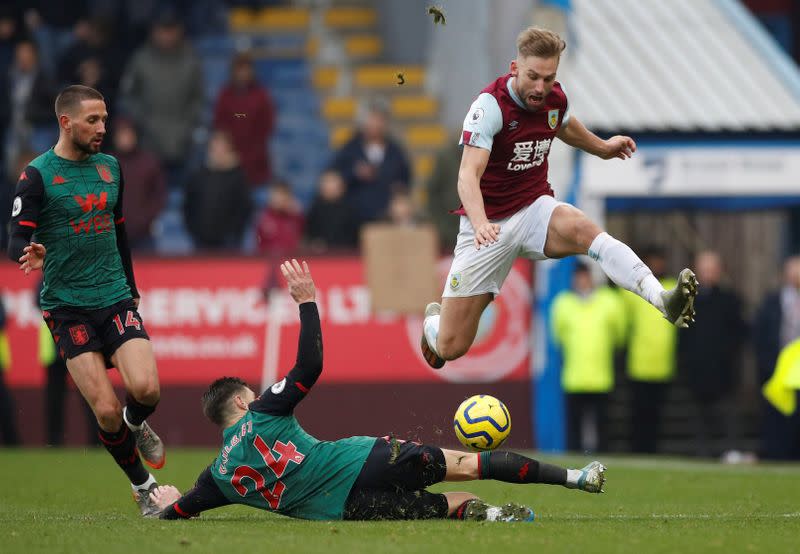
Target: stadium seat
(325, 77)
(350, 17)
(339, 108)
(425, 136)
(384, 76)
(359, 47)
(423, 166)
(415, 107)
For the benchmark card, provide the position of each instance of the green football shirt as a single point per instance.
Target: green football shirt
(80, 204)
(270, 462)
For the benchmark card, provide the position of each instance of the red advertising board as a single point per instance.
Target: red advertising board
(207, 317)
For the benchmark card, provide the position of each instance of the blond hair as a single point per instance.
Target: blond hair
(542, 43)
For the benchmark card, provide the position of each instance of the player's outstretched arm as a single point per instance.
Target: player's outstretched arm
(577, 135)
(204, 496)
(283, 396)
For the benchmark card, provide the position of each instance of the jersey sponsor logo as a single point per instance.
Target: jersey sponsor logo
(16, 208)
(552, 118)
(92, 201)
(58, 180)
(528, 155)
(101, 223)
(105, 173)
(476, 116)
(470, 138)
(278, 387)
(79, 335)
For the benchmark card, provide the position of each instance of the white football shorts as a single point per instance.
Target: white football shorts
(522, 235)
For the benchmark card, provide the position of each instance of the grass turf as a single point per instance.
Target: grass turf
(78, 501)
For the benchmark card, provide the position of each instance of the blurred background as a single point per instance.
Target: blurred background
(253, 130)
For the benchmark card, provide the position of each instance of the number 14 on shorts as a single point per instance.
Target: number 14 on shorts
(130, 321)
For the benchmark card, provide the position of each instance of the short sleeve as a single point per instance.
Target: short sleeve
(482, 123)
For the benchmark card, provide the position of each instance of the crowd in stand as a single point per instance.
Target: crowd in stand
(140, 56)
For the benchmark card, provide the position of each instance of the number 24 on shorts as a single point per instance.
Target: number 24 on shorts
(130, 321)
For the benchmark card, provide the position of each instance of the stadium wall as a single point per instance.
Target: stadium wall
(208, 317)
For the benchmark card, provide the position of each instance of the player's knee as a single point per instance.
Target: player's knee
(108, 414)
(147, 392)
(451, 347)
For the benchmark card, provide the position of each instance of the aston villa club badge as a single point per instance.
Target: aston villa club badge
(104, 172)
(79, 335)
(552, 118)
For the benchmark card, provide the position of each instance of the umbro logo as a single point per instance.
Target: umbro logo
(58, 180)
(513, 125)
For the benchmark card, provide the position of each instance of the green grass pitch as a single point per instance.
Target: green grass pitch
(78, 501)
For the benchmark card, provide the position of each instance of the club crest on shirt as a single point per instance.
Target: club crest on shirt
(104, 172)
(552, 118)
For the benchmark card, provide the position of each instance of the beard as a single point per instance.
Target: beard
(86, 147)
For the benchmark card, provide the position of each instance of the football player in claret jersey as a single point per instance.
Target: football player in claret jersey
(268, 461)
(69, 200)
(508, 209)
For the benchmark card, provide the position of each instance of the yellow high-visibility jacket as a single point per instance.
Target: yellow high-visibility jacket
(652, 340)
(588, 330)
(780, 389)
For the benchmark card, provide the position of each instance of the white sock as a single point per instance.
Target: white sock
(573, 476)
(430, 328)
(625, 268)
(130, 425)
(146, 485)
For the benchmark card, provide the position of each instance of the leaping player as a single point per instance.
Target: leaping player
(508, 209)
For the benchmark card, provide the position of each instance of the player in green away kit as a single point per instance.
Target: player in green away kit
(70, 198)
(269, 462)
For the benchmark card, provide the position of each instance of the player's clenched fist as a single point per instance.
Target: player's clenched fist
(301, 285)
(486, 234)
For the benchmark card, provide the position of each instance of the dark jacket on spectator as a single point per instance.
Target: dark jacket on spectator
(331, 224)
(217, 208)
(370, 199)
(145, 192)
(709, 350)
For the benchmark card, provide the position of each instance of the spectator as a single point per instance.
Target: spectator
(280, 226)
(217, 203)
(709, 353)
(401, 210)
(54, 24)
(777, 324)
(651, 358)
(31, 95)
(373, 165)
(588, 324)
(331, 222)
(443, 194)
(162, 90)
(781, 391)
(245, 111)
(145, 185)
(8, 424)
(94, 60)
(10, 34)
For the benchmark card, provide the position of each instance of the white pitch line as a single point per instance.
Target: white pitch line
(634, 517)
